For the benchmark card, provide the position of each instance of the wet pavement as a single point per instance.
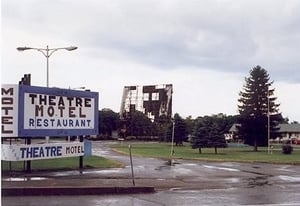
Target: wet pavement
(185, 183)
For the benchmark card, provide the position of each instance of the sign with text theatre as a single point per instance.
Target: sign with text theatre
(30, 111)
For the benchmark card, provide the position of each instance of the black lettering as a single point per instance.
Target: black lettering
(70, 99)
(61, 109)
(67, 150)
(5, 131)
(87, 102)
(43, 99)
(51, 111)
(71, 112)
(7, 100)
(6, 120)
(39, 109)
(78, 102)
(6, 109)
(80, 113)
(61, 101)
(52, 100)
(32, 96)
(10, 91)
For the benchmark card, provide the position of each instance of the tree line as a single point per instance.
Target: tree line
(257, 120)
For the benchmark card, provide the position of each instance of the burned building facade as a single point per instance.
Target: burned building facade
(152, 100)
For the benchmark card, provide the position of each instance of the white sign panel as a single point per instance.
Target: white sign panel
(41, 151)
(56, 112)
(9, 110)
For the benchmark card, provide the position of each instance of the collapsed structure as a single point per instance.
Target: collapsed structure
(152, 100)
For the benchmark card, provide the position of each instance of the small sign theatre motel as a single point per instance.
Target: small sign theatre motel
(32, 112)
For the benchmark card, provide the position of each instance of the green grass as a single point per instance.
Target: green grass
(238, 154)
(62, 164)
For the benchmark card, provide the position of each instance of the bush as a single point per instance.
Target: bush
(287, 149)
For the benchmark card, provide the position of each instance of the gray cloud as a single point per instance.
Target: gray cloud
(227, 36)
(218, 35)
(221, 35)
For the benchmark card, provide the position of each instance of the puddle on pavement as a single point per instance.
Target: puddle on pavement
(190, 164)
(259, 181)
(108, 171)
(289, 178)
(163, 167)
(233, 180)
(221, 168)
(23, 179)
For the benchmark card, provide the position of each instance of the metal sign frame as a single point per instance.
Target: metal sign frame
(56, 92)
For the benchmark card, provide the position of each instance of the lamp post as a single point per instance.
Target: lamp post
(47, 52)
(268, 96)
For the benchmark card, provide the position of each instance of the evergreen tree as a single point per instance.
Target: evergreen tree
(163, 123)
(180, 130)
(138, 124)
(200, 137)
(108, 122)
(255, 103)
(209, 132)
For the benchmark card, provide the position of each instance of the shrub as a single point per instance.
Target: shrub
(287, 149)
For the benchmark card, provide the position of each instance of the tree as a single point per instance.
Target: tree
(162, 124)
(255, 103)
(190, 124)
(180, 130)
(137, 124)
(108, 121)
(200, 137)
(209, 132)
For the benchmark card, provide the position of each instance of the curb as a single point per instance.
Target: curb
(48, 191)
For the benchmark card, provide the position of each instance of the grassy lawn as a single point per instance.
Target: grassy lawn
(62, 164)
(240, 154)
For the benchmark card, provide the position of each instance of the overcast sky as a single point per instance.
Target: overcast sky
(205, 48)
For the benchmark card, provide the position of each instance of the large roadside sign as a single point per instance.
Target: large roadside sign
(30, 111)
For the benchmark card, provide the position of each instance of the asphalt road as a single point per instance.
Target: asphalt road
(185, 183)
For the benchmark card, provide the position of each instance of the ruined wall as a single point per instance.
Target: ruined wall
(152, 100)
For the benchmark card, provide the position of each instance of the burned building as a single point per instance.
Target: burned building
(152, 100)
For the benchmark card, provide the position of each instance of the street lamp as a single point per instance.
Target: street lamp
(47, 53)
(269, 121)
